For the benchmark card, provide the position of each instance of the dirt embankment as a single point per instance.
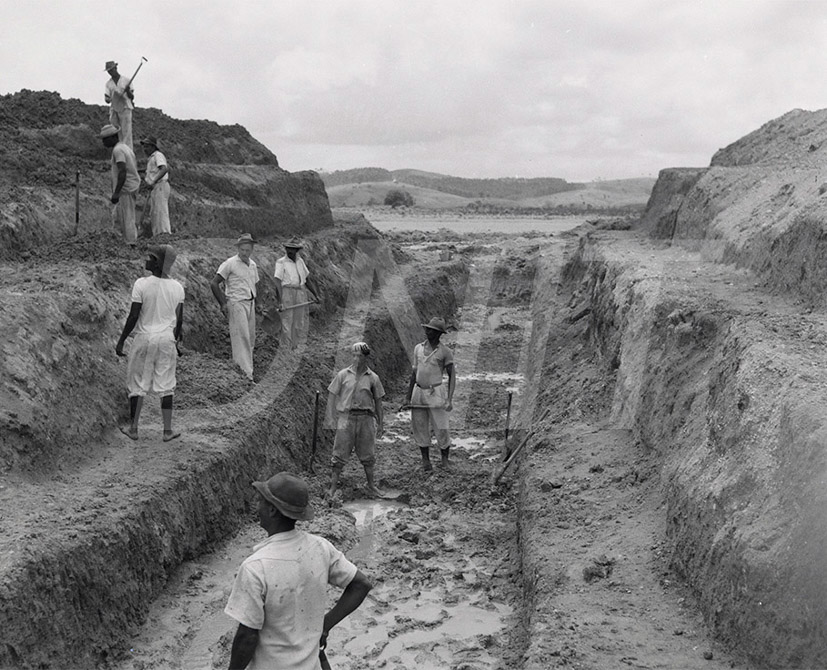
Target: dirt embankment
(722, 387)
(93, 524)
(761, 204)
(222, 179)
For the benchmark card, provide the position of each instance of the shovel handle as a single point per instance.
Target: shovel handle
(301, 304)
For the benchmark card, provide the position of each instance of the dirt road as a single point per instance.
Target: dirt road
(559, 566)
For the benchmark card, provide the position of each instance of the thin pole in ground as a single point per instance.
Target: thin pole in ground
(77, 199)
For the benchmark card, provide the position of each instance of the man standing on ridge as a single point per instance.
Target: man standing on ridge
(157, 178)
(280, 591)
(239, 275)
(125, 183)
(355, 404)
(156, 316)
(119, 95)
(292, 284)
(429, 397)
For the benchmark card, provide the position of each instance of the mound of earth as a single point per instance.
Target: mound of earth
(223, 180)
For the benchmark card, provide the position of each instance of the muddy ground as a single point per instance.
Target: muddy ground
(562, 564)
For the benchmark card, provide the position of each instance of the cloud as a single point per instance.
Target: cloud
(535, 87)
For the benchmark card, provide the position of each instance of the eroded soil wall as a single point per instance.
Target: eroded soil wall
(81, 565)
(722, 385)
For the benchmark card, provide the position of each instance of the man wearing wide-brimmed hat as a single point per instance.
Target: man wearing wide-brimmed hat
(239, 275)
(293, 284)
(280, 592)
(156, 318)
(119, 95)
(157, 178)
(125, 183)
(427, 393)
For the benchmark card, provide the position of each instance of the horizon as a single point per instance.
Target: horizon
(595, 91)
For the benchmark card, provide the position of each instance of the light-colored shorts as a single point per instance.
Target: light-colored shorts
(152, 362)
(434, 420)
(354, 431)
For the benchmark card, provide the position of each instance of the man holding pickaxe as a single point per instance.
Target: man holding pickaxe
(119, 96)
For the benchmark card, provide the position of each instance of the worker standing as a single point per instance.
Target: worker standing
(119, 95)
(125, 182)
(355, 404)
(426, 392)
(239, 275)
(157, 178)
(292, 285)
(156, 317)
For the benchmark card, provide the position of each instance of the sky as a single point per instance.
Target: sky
(582, 89)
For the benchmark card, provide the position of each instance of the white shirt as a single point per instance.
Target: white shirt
(159, 298)
(291, 273)
(121, 153)
(116, 94)
(153, 165)
(281, 591)
(240, 278)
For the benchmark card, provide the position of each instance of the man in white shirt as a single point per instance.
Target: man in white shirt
(125, 183)
(280, 592)
(119, 95)
(239, 275)
(156, 318)
(157, 178)
(292, 285)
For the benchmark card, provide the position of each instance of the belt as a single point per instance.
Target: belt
(291, 285)
(361, 411)
(429, 388)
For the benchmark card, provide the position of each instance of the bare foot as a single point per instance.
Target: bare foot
(170, 435)
(376, 493)
(129, 432)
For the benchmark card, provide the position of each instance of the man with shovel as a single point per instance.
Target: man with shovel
(427, 397)
(292, 285)
(355, 404)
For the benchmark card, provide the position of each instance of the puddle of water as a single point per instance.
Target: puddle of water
(365, 511)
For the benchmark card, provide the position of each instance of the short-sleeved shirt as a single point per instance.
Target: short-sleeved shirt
(291, 273)
(281, 591)
(352, 393)
(240, 278)
(429, 363)
(122, 153)
(159, 298)
(118, 99)
(153, 165)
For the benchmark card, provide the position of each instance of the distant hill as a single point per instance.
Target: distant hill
(365, 187)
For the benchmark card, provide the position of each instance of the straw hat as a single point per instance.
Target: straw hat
(289, 494)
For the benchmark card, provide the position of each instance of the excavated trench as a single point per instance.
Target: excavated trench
(666, 510)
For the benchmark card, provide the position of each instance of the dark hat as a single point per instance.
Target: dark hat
(361, 348)
(165, 254)
(109, 65)
(245, 238)
(150, 142)
(108, 130)
(436, 323)
(294, 243)
(289, 494)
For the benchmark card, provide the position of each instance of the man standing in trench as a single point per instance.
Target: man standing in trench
(156, 316)
(157, 178)
(292, 284)
(280, 591)
(125, 183)
(355, 404)
(118, 95)
(426, 392)
(239, 275)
